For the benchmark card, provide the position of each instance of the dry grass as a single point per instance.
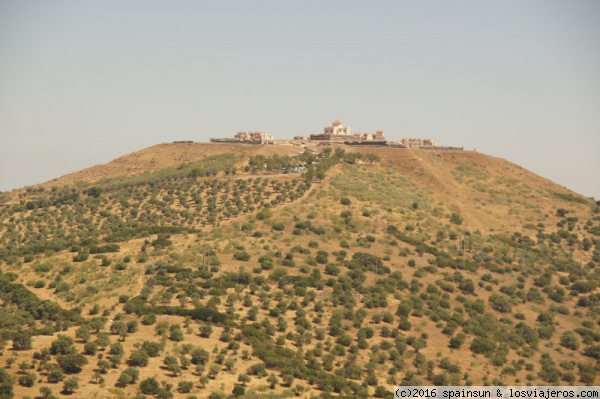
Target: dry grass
(492, 195)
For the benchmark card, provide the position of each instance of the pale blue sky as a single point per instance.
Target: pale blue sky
(84, 82)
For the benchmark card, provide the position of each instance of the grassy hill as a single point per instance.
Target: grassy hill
(164, 158)
(256, 271)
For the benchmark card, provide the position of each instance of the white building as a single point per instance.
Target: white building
(262, 137)
(337, 128)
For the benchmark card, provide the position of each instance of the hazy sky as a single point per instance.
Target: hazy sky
(83, 82)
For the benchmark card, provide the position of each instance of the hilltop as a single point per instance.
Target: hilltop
(164, 156)
(257, 270)
(479, 178)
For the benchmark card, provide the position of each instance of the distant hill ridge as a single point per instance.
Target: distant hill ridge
(431, 165)
(466, 179)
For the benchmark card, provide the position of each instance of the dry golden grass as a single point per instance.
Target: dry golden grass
(163, 156)
(492, 195)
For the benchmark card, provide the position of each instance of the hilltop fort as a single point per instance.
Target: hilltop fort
(386, 262)
(337, 133)
(246, 138)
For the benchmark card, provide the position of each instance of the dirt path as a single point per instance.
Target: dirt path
(141, 283)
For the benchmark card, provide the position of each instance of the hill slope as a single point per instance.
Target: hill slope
(217, 270)
(165, 156)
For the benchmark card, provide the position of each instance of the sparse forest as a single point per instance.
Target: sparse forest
(330, 273)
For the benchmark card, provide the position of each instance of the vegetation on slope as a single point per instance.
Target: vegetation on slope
(332, 274)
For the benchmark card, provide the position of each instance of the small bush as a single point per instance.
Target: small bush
(278, 226)
(81, 257)
(242, 256)
(149, 386)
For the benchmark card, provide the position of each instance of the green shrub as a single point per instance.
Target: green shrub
(501, 303)
(569, 340)
(242, 256)
(149, 386)
(483, 345)
(81, 257)
(456, 218)
(27, 380)
(278, 226)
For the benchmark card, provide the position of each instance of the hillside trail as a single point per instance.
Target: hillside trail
(141, 284)
(253, 176)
